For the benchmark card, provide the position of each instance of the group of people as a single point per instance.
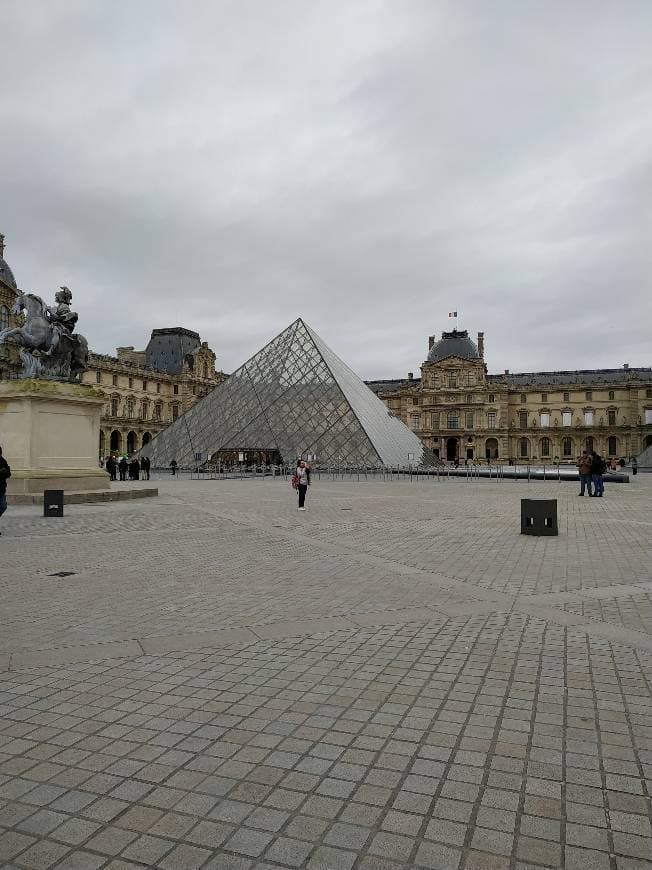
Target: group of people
(591, 467)
(5, 474)
(136, 469)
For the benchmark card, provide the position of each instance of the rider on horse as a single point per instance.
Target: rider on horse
(61, 318)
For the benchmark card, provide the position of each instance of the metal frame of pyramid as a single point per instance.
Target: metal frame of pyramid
(295, 396)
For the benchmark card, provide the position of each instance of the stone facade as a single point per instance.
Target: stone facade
(142, 400)
(463, 413)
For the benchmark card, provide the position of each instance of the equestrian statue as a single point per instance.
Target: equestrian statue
(50, 349)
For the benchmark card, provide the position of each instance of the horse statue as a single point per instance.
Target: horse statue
(48, 347)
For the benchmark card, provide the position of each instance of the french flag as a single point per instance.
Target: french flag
(452, 313)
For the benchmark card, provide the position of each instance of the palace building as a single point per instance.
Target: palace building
(463, 413)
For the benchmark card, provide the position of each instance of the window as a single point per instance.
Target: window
(176, 389)
(114, 380)
(434, 420)
(469, 420)
(545, 447)
(453, 420)
(144, 406)
(158, 388)
(612, 395)
(157, 411)
(131, 405)
(469, 398)
(611, 416)
(145, 386)
(415, 401)
(414, 422)
(114, 407)
(452, 381)
(98, 377)
(175, 412)
(522, 419)
(589, 395)
(4, 317)
(491, 420)
(648, 393)
(612, 446)
(523, 448)
(567, 447)
(589, 443)
(523, 398)
(588, 418)
(544, 397)
(492, 397)
(566, 418)
(648, 416)
(544, 419)
(566, 396)
(131, 383)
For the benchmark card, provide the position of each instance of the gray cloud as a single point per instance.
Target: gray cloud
(229, 166)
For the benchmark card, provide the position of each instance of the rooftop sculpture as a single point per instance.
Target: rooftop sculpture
(49, 347)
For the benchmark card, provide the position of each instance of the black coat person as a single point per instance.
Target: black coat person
(145, 466)
(122, 468)
(111, 467)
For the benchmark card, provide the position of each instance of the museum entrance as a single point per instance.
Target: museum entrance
(247, 456)
(452, 449)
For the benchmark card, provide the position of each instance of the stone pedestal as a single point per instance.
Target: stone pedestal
(49, 433)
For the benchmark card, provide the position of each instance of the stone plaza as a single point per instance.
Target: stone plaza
(396, 678)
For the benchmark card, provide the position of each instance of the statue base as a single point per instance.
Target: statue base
(49, 434)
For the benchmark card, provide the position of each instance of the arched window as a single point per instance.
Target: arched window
(4, 317)
(612, 446)
(612, 395)
(147, 437)
(116, 441)
(545, 447)
(132, 441)
(523, 448)
(491, 448)
(567, 447)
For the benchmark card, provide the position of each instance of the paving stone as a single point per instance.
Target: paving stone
(42, 855)
(249, 842)
(586, 859)
(328, 858)
(185, 857)
(111, 840)
(437, 857)
(290, 852)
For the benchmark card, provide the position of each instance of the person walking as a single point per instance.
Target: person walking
(634, 465)
(303, 482)
(584, 465)
(5, 474)
(598, 468)
(145, 465)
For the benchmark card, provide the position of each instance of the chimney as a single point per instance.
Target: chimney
(410, 375)
(431, 341)
(2, 245)
(481, 344)
(506, 371)
(626, 366)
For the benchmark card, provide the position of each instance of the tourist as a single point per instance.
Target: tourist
(111, 467)
(303, 482)
(173, 467)
(122, 468)
(145, 465)
(598, 468)
(634, 465)
(5, 474)
(584, 465)
(134, 469)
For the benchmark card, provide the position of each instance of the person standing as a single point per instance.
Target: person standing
(5, 474)
(584, 465)
(634, 465)
(145, 466)
(123, 465)
(598, 468)
(303, 482)
(110, 467)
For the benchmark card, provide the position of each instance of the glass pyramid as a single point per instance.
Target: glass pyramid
(293, 398)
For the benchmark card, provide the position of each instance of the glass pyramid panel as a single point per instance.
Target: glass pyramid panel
(297, 397)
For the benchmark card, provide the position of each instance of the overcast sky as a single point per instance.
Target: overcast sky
(367, 165)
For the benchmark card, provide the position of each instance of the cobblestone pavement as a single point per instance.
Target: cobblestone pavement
(394, 679)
